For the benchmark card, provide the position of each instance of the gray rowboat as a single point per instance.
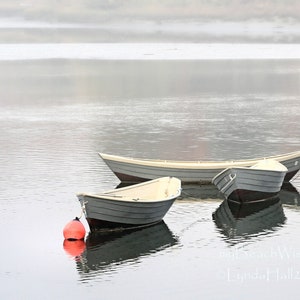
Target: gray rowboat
(136, 205)
(243, 184)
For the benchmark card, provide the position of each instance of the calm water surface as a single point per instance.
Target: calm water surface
(57, 114)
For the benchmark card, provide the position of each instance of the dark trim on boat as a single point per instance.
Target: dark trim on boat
(105, 226)
(246, 196)
(129, 178)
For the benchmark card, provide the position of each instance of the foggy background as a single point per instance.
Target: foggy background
(103, 10)
(152, 20)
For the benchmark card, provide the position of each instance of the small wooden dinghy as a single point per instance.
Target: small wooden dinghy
(137, 170)
(261, 181)
(136, 205)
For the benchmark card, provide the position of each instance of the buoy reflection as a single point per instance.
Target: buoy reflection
(74, 248)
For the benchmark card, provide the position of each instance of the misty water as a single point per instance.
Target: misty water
(62, 103)
(57, 114)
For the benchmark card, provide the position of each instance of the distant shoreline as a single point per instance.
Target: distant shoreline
(148, 51)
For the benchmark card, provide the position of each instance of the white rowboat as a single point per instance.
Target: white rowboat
(138, 170)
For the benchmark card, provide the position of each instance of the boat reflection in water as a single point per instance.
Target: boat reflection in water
(105, 251)
(241, 221)
(198, 191)
(289, 194)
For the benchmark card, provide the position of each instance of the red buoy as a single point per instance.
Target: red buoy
(74, 230)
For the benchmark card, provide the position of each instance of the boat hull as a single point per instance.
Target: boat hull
(103, 213)
(139, 170)
(144, 173)
(248, 185)
(135, 205)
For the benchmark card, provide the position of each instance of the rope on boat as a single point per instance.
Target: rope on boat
(83, 211)
(189, 226)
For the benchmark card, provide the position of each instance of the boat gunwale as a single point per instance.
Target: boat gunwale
(128, 199)
(247, 169)
(195, 164)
